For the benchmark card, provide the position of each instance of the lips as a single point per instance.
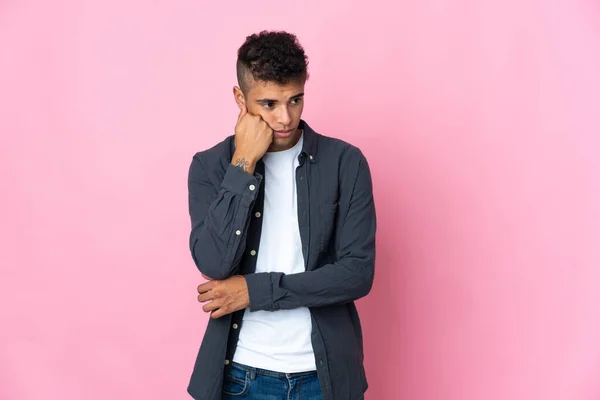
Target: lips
(283, 134)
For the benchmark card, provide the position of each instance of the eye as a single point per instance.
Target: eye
(297, 100)
(268, 104)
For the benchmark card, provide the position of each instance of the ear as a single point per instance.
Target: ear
(239, 98)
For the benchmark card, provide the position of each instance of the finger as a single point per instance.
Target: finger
(204, 297)
(220, 312)
(265, 123)
(212, 306)
(205, 287)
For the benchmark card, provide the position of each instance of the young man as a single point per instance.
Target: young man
(283, 229)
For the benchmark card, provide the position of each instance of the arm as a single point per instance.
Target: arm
(217, 216)
(220, 217)
(347, 279)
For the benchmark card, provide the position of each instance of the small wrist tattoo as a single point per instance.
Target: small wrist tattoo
(242, 163)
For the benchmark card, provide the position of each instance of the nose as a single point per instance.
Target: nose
(284, 117)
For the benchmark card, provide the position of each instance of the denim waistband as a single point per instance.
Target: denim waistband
(254, 371)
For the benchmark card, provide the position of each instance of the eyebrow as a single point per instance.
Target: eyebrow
(276, 101)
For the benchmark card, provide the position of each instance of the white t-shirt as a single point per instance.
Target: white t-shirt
(279, 340)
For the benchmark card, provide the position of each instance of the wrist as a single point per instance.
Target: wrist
(244, 161)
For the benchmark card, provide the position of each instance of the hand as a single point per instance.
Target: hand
(253, 136)
(224, 297)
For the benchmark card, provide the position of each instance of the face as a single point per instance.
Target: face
(279, 105)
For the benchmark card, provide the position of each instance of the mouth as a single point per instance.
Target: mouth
(284, 134)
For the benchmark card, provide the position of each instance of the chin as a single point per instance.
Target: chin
(281, 144)
(281, 141)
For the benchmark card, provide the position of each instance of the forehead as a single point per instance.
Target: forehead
(274, 90)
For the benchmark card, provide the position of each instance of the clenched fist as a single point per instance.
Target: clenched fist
(253, 136)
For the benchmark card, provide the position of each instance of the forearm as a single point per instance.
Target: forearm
(337, 283)
(220, 220)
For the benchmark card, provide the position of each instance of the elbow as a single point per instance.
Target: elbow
(366, 287)
(365, 282)
(212, 274)
(212, 268)
(216, 276)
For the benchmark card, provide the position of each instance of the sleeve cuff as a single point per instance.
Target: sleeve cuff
(260, 291)
(240, 182)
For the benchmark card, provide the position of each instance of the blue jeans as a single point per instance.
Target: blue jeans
(248, 383)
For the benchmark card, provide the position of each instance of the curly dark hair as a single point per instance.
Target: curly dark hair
(271, 56)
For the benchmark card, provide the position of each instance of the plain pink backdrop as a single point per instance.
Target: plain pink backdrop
(481, 123)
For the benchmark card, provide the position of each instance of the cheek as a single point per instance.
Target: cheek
(269, 119)
(297, 112)
(264, 114)
(255, 110)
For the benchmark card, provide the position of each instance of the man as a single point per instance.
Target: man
(283, 229)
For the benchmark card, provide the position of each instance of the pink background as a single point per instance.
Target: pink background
(481, 120)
